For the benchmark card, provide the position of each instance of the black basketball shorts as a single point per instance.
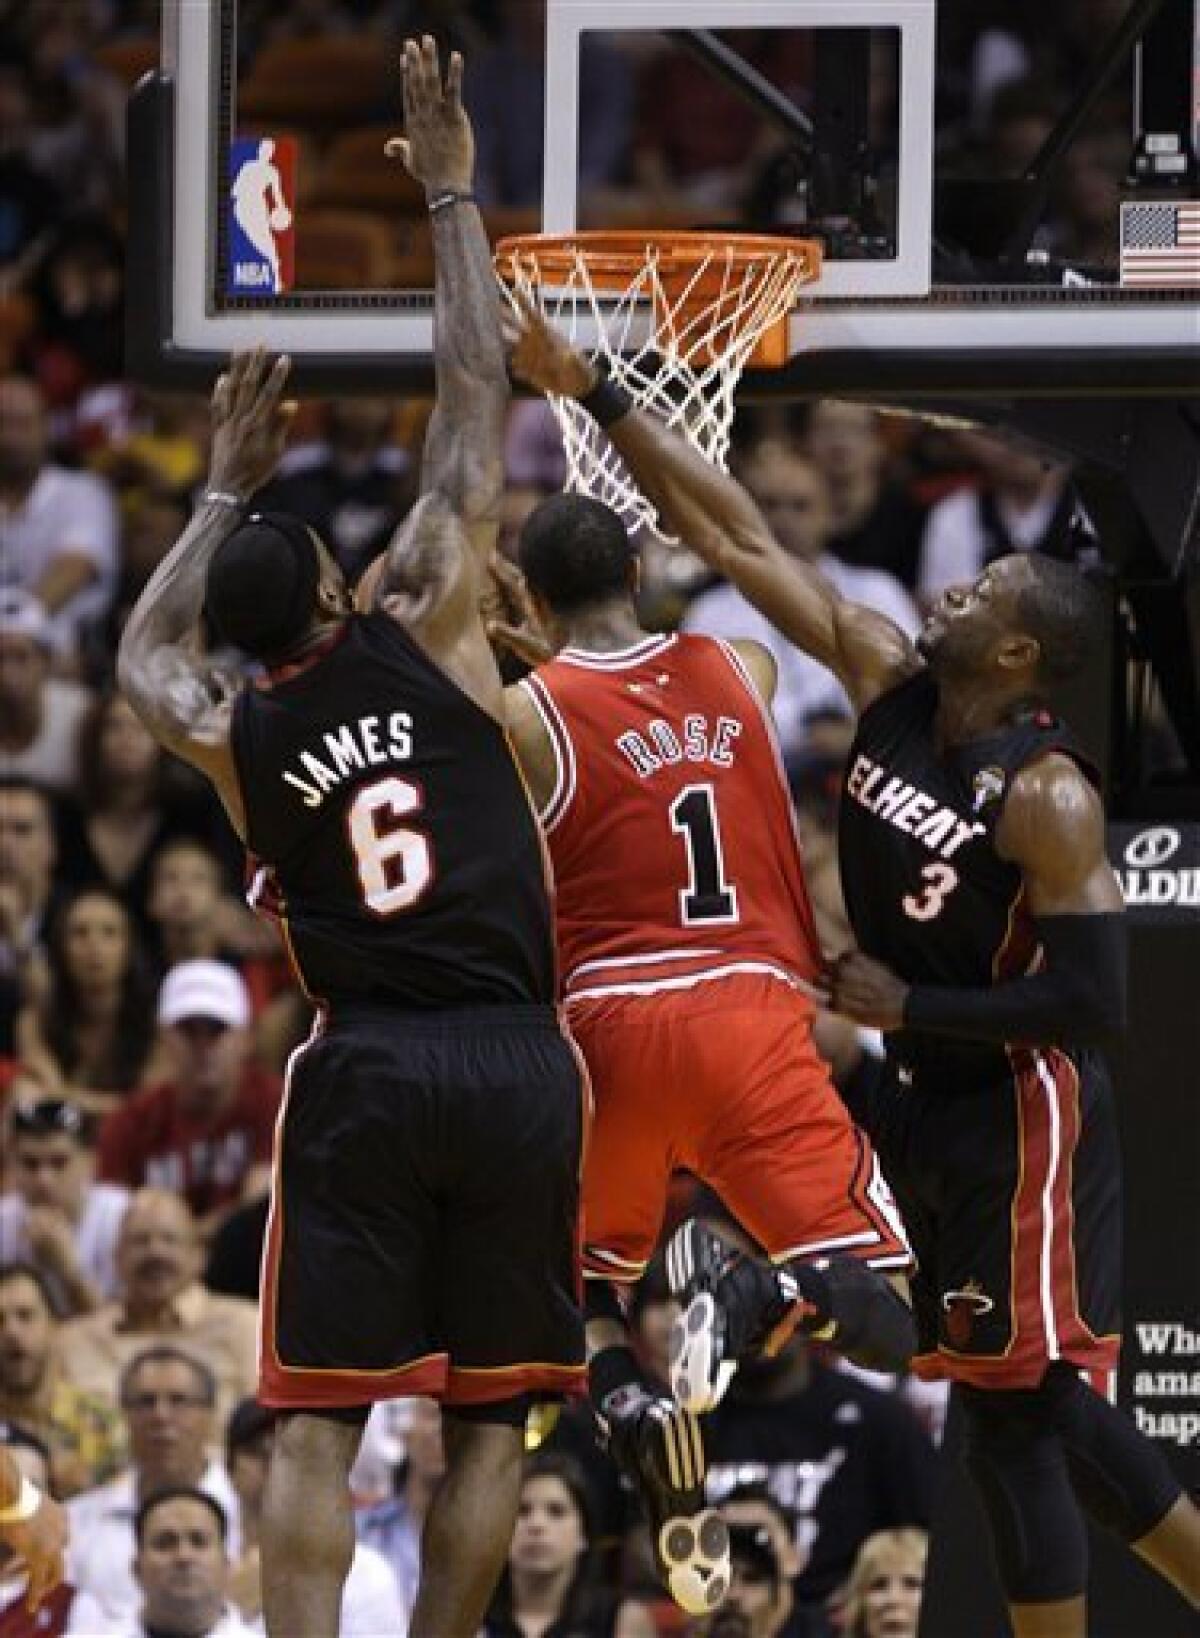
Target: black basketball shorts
(423, 1235)
(1012, 1199)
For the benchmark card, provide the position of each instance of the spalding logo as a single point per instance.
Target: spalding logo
(1151, 848)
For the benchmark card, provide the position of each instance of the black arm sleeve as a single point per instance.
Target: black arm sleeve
(1078, 999)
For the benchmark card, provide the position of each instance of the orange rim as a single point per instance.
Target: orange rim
(692, 269)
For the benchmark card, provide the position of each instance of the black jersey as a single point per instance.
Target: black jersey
(395, 834)
(926, 891)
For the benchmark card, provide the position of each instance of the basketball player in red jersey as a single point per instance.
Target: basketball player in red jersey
(689, 956)
(977, 883)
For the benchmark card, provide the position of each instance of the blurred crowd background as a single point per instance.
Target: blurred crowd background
(146, 1017)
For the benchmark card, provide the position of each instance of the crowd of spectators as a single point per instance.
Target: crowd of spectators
(146, 1017)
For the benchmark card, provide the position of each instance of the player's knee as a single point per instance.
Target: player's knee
(1019, 1468)
(1122, 1480)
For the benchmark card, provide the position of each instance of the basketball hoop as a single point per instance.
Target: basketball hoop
(676, 316)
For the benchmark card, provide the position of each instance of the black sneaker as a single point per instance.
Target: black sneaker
(659, 1447)
(734, 1304)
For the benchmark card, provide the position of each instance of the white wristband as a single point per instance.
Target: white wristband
(29, 1499)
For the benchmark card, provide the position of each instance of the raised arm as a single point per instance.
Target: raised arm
(182, 694)
(715, 516)
(431, 567)
(1052, 828)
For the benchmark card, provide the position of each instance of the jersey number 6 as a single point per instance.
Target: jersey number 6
(395, 861)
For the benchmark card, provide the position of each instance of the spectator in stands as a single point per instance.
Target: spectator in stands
(353, 487)
(187, 905)
(394, 1527)
(759, 1601)
(39, 714)
(506, 97)
(1023, 503)
(181, 1569)
(371, 1604)
(28, 897)
(31, 200)
(883, 1594)
(89, 1033)
(82, 1431)
(58, 529)
(754, 1505)
(168, 1398)
(875, 523)
(162, 1301)
(551, 1577)
(842, 1458)
(32, 1459)
(55, 1217)
(132, 803)
(79, 292)
(206, 1131)
(795, 502)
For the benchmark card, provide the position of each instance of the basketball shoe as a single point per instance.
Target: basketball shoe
(660, 1449)
(734, 1304)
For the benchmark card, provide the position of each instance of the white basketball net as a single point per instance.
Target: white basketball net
(677, 347)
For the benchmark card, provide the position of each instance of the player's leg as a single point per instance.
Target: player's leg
(1019, 1466)
(469, 1526)
(655, 1443)
(787, 1161)
(351, 1217)
(1121, 1479)
(659, 1448)
(308, 1525)
(1123, 1482)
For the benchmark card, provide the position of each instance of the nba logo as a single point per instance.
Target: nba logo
(262, 195)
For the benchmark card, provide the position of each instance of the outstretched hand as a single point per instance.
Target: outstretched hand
(250, 422)
(438, 145)
(509, 616)
(539, 356)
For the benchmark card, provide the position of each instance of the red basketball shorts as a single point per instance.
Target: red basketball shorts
(723, 1079)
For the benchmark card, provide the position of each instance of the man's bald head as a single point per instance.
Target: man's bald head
(158, 1252)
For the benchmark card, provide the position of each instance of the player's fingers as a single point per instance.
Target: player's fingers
(272, 387)
(408, 81)
(454, 81)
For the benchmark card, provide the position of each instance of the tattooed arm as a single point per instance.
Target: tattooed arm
(431, 574)
(183, 695)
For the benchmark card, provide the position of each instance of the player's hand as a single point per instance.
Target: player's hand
(867, 991)
(250, 422)
(38, 1545)
(509, 617)
(51, 1239)
(539, 356)
(438, 145)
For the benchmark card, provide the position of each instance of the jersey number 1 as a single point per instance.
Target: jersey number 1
(708, 896)
(395, 861)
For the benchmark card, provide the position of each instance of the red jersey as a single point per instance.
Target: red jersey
(151, 1141)
(670, 826)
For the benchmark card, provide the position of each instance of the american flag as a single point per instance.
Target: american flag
(1160, 244)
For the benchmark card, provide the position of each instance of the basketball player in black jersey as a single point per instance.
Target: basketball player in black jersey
(422, 1236)
(992, 952)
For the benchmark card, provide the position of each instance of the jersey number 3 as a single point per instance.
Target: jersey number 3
(394, 860)
(940, 881)
(708, 896)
